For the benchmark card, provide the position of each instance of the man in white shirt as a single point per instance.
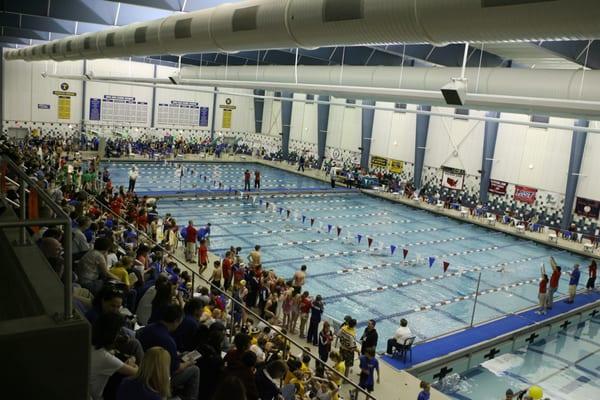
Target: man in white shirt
(133, 175)
(402, 333)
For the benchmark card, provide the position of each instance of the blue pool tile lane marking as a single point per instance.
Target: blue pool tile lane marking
(472, 336)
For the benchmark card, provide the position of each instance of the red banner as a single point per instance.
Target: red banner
(525, 194)
(497, 187)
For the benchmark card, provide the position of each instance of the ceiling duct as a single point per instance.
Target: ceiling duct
(271, 24)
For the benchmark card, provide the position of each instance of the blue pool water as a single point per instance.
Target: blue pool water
(565, 365)
(371, 283)
(158, 176)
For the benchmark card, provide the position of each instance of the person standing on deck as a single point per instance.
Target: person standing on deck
(254, 257)
(190, 241)
(247, 180)
(299, 279)
(543, 288)
(202, 256)
(573, 282)
(133, 175)
(257, 180)
(554, 280)
(591, 277)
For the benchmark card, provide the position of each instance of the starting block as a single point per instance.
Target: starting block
(491, 220)
(521, 228)
(588, 247)
(553, 237)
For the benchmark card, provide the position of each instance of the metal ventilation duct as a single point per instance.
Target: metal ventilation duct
(268, 24)
(514, 82)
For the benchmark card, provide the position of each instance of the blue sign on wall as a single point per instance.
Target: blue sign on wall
(95, 109)
(203, 116)
(44, 106)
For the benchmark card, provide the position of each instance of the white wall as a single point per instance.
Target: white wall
(119, 68)
(588, 186)
(394, 134)
(532, 156)
(454, 142)
(271, 123)
(345, 125)
(242, 118)
(304, 121)
(24, 89)
(166, 96)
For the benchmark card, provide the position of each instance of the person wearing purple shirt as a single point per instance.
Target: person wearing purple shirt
(424, 394)
(573, 282)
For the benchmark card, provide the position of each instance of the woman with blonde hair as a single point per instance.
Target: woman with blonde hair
(152, 381)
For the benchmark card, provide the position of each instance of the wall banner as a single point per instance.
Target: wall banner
(64, 107)
(378, 162)
(227, 118)
(64, 101)
(453, 178)
(203, 116)
(587, 207)
(497, 187)
(525, 194)
(396, 166)
(95, 109)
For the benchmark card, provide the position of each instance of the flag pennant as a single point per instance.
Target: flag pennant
(369, 242)
(431, 261)
(267, 205)
(260, 201)
(280, 209)
(393, 249)
(446, 265)
(329, 226)
(339, 230)
(288, 213)
(359, 237)
(312, 221)
(303, 218)
(405, 253)
(204, 178)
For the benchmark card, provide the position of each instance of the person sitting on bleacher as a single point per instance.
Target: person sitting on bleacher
(397, 342)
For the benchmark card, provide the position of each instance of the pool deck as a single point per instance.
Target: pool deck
(470, 337)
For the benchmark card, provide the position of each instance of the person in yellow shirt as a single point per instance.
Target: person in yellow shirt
(347, 337)
(120, 270)
(340, 367)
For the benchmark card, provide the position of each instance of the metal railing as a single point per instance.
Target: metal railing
(233, 301)
(60, 219)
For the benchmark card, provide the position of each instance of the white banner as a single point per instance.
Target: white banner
(453, 178)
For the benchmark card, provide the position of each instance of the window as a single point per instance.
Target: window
(400, 107)
(244, 19)
(541, 119)
(350, 103)
(110, 40)
(139, 35)
(342, 10)
(183, 28)
(460, 113)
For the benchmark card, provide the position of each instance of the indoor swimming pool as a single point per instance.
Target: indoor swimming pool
(566, 365)
(369, 282)
(204, 176)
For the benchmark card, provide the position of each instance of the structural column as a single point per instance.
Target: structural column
(286, 122)
(487, 160)
(153, 107)
(422, 130)
(322, 126)
(259, 106)
(577, 150)
(214, 115)
(368, 116)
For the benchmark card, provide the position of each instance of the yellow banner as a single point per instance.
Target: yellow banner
(378, 162)
(64, 107)
(396, 166)
(227, 118)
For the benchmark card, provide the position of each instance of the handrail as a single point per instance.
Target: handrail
(61, 218)
(233, 300)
